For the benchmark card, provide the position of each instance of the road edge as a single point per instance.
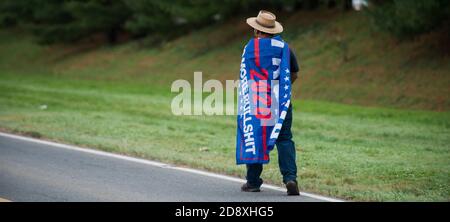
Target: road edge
(160, 164)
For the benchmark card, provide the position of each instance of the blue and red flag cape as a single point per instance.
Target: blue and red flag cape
(264, 98)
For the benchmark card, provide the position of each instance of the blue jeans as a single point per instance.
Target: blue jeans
(286, 156)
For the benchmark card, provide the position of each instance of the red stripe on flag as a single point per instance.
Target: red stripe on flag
(257, 62)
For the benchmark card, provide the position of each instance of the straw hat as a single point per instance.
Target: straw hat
(265, 22)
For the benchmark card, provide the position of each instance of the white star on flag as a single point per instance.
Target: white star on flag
(286, 87)
(286, 78)
(285, 95)
(287, 71)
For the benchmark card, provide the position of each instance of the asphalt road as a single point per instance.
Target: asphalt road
(31, 170)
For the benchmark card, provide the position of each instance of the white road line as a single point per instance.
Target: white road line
(159, 164)
(4, 200)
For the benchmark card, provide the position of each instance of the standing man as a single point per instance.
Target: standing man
(266, 29)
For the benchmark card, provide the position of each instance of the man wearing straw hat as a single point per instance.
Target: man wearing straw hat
(265, 39)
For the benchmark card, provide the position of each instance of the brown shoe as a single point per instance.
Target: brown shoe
(292, 188)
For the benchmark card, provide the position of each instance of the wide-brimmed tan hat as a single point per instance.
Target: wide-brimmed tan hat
(265, 22)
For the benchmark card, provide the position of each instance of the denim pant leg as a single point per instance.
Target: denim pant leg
(253, 174)
(286, 150)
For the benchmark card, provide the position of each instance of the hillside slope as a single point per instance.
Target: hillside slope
(342, 60)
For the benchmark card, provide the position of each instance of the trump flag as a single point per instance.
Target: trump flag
(264, 98)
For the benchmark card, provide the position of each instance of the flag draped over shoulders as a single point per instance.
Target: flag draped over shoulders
(264, 98)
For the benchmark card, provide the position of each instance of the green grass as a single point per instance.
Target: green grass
(118, 99)
(345, 151)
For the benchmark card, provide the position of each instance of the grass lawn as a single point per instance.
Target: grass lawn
(351, 152)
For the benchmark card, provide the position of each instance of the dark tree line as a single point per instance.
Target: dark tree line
(71, 20)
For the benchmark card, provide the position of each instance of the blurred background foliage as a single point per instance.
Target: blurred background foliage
(53, 21)
(408, 18)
